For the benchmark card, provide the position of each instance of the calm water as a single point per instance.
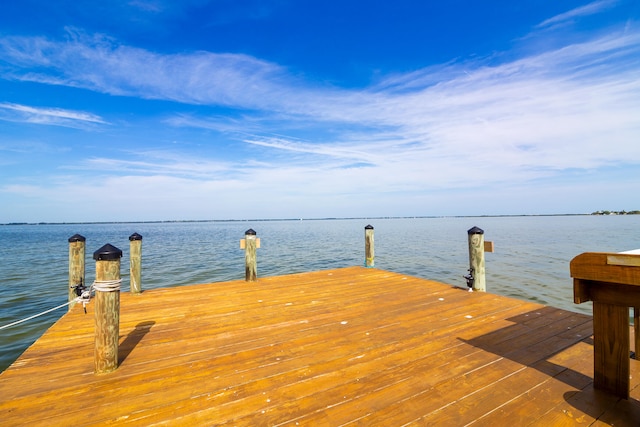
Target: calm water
(531, 258)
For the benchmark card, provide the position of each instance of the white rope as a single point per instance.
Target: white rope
(107, 285)
(39, 314)
(101, 286)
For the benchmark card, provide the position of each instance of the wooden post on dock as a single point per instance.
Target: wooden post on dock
(476, 258)
(369, 253)
(135, 262)
(77, 250)
(107, 308)
(250, 261)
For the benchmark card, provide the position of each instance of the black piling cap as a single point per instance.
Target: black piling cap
(250, 232)
(475, 230)
(135, 236)
(107, 253)
(76, 238)
(369, 227)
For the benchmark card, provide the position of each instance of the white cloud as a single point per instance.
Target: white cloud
(588, 9)
(48, 116)
(99, 63)
(24, 190)
(158, 164)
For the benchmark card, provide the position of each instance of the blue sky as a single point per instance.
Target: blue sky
(186, 110)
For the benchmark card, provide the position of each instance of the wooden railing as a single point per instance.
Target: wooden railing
(612, 282)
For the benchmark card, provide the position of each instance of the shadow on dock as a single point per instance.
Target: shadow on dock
(547, 340)
(537, 335)
(133, 339)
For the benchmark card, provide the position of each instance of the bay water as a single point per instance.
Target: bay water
(530, 262)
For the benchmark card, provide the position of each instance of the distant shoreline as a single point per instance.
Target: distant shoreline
(309, 219)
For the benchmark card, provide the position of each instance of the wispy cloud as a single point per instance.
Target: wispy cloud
(98, 63)
(348, 151)
(588, 9)
(48, 116)
(519, 120)
(161, 163)
(147, 6)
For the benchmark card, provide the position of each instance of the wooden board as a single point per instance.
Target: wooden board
(488, 246)
(606, 267)
(357, 346)
(243, 243)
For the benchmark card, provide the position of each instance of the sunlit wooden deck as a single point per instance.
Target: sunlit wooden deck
(351, 346)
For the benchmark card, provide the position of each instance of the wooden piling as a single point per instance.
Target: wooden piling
(135, 263)
(611, 347)
(636, 330)
(107, 308)
(369, 252)
(476, 258)
(250, 261)
(77, 248)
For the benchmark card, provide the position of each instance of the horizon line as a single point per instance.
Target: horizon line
(298, 219)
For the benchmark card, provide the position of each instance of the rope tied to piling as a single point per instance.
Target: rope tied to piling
(100, 286)
(84, 298)
(39, 314)
(106, 285)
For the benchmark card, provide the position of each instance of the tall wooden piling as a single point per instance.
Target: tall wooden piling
(77, 249)
(476, 258)
(250, 259)
(369, 252)
(107, 308)
(135, 263)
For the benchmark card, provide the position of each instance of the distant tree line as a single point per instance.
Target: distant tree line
(616, 213)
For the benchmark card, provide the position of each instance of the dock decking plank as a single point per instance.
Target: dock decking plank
(351, 346)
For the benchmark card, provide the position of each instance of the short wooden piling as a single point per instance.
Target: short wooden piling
(250, 259)
(476, 258)
(77, 249)
(135, 263)
(107, 308)
(369, 252)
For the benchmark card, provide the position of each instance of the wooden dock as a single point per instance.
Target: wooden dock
(352, 346)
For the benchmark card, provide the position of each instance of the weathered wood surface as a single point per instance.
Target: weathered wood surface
(250, 260)
(369, 247)
(135, 263)
(476, 258)
(607, 267)
(77, 254)
(106, 319)
(353, 346)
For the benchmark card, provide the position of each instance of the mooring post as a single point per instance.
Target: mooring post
(369, 253)
(107, 308)
(77, 248)
(250, 261)
(135, 263)
(476, 259)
